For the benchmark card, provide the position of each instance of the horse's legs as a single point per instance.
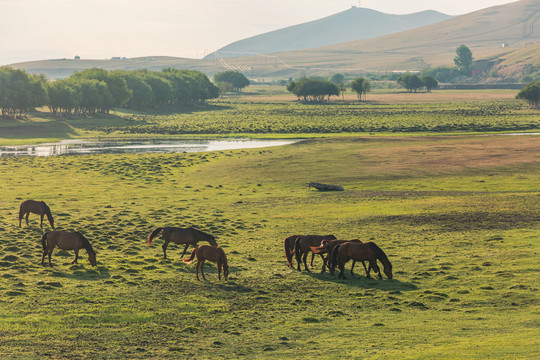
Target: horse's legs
(76, 256)
(299, 259)
(197, 269)
(27, 214)
(352, 267)
(164, 246)
(41, 224)
(304, 258)
(323, 263)
(219, 265)
(43, 256)
(312, 256)
(50, 254)
(341, 270)
(184, 252)
(365, 268)
(202, 269)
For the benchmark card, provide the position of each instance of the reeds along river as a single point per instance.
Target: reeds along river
(79, 147)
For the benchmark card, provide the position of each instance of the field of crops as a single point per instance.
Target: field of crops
(456, 215)
(296, 118)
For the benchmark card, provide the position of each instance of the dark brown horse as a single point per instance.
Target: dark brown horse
(330, 245)
(306, 244)
(36, 207)
(188, 236)
(211, 253)
(361, 252)
(288, 244)
(67, 241)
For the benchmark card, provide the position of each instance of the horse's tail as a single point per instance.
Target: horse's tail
(288, 251)
(21, 211)
(334, 258)
(44, 241)
(47, 210)
(152, 235)
(192, 257)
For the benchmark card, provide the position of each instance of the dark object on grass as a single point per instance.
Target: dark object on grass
(325, 187)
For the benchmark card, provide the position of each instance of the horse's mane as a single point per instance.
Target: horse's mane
(86, 243)
(380, 254)
(203, 234)
(48, 213)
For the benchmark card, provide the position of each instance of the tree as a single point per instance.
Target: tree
(361, 86)
(430, 82)
(464, 60)
(237, 79)
(411, 82)
(337, 78)
(531, 94)
(313, 89)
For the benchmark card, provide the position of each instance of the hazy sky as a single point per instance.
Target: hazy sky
(99, 29)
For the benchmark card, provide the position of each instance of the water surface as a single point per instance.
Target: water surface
(82, 146)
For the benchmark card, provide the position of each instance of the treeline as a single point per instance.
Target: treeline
(98, 90)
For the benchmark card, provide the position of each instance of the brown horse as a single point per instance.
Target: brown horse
(361, 252)
(288, 244)
(211, 253)
(67, 241)
(330, 245)
(188, 236)
(305, 244)
(36, 207)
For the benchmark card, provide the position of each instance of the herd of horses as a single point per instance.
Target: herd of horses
(338, 252)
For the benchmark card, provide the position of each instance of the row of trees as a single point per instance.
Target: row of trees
(531, 94)
(98, 90)
(413, 82)
(316, 89)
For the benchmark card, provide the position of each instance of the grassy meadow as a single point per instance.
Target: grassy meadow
(456, 215)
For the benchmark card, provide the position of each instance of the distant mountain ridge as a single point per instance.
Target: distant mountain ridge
(349, 25)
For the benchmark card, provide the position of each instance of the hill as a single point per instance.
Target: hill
(352, 24)
(516, 25)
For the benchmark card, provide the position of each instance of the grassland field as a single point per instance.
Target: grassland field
(457, 216)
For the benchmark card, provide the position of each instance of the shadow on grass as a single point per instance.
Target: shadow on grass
(80, 272)
(360, 281)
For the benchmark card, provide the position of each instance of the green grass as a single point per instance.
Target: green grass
(235, 117)
(457, 216)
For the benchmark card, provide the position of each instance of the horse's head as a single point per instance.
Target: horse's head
(92, 258)
(388, 271)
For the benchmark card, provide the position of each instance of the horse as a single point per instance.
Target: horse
(361, 252)
(288, 244)
(211, 253)
(36, 207)
(188, 236)
(330, 245)
(305, 244)
(66, 240)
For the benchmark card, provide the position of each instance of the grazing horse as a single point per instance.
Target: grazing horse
(66, 241)
(306, 244)
(188, 236)
(330, 245)
(288, 244)
(361, 252)
(211, 253)
(36, 207)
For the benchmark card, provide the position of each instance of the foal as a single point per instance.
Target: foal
(211, 253)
